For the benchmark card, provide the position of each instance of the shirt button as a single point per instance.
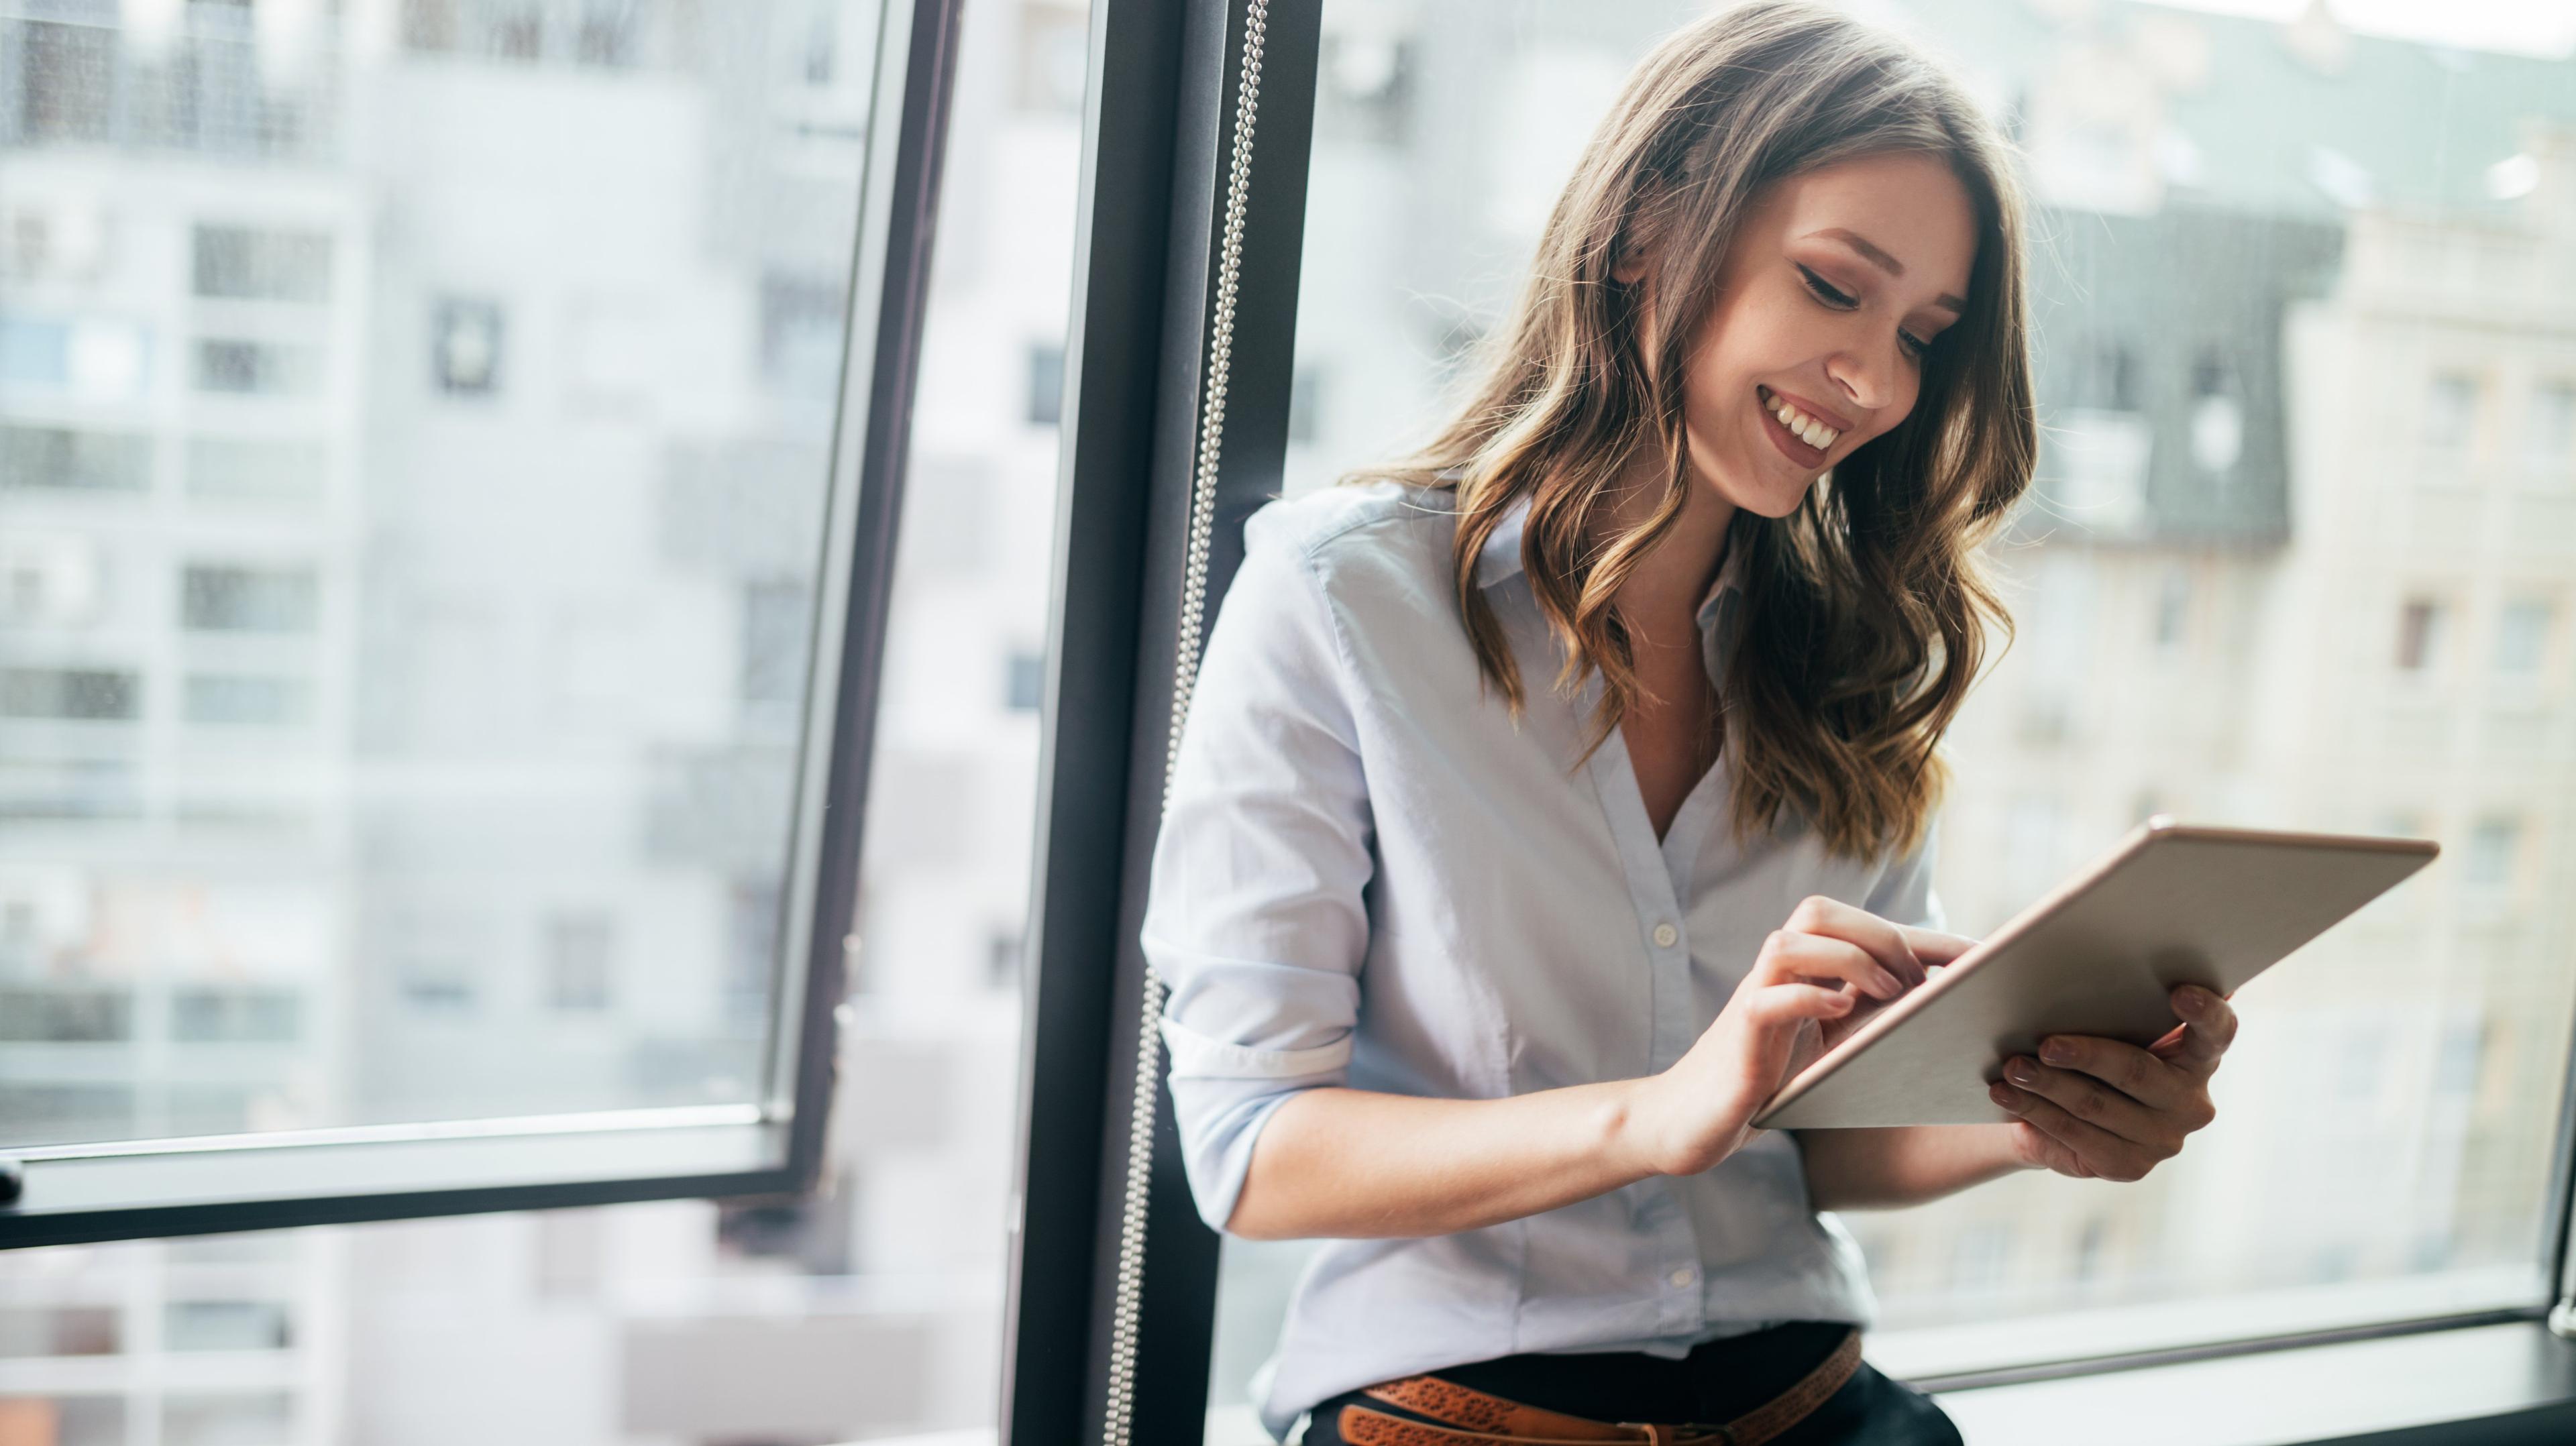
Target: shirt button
(1683, 1277)
(1666, 936)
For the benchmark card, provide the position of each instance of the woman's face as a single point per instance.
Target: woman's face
(1838, 280)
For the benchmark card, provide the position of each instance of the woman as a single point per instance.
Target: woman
(1482, 977)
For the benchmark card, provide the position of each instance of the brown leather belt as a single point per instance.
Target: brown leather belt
(1472, 1418)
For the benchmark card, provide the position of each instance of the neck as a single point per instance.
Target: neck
(1662, 595)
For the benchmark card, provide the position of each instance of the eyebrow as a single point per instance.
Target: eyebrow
(1871, 253)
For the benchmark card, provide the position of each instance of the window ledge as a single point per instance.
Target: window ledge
(2497, 1384)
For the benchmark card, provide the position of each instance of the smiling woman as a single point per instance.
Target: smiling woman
(1485, 980)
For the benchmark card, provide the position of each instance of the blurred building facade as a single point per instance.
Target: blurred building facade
(413, 418)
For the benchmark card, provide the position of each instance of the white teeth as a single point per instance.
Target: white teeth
(1805, 428)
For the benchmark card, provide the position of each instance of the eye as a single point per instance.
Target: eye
(1826, 292)
(1915, 346)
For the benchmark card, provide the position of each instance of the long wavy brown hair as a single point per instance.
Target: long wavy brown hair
(1867, 609)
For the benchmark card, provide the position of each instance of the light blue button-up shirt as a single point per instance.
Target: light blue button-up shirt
(1368, 875)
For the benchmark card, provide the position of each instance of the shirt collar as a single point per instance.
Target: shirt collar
(1500, 561)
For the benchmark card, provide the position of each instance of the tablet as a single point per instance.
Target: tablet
(2172, 904)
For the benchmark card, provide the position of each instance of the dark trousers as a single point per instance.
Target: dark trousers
(1714, 1384)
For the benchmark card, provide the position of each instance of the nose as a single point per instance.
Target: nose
(1866, 380)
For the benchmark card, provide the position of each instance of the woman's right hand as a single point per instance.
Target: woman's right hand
(1818, 977)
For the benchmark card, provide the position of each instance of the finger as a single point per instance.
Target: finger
(2209, 1027)
(2037, 1148)
(1881, 940)
(2124, 1067)
(2105, 1154)
(1787, 955)
(1935, 948)
(1779, 1004)
(2099, 1105)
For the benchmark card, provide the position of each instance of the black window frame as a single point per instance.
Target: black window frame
(774, 1146)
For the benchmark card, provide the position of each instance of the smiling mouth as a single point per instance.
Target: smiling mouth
(1813, 434)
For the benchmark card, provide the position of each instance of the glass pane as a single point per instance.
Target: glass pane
(412, 454)
(872, 1309)
(2285, 565)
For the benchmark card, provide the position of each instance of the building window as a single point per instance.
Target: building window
(2522, 635)
(66, 1013)
(255, 469)
(239, 262)
(226, 1325)
(74, 460)
(1002, 958)
(580, 962)
(606, 37)
(1306, 398)
(2217, 415)
(437, 992)
(60, 1330)
(2173, 608)
(248, 599)
(1025, 687)
(2450, 409)
(775, 616)
(2488, 863)
(226, 699)
(2419, 635)
(66, 81)
(209, 1418)
(235, 1014)
(258, 368)
(800, 334)
(86, 694)
(2104, 376)
(465, 347)
(1046, 385)
(751, 956)
(2549, 435)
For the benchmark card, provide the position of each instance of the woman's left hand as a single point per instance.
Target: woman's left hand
(2098, 1109)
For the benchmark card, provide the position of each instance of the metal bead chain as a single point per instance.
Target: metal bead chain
(1119, 1418)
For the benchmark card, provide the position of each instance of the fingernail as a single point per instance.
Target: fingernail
(2188, 1000)
(2021, 1071)
(2004, 1095)
(2054, 1052)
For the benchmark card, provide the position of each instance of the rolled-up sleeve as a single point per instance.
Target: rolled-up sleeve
(1256, 916)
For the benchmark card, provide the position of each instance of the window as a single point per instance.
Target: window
(2451, 410)
(1046, 385)
(2177, 408)
(235, 698)
(2419, 635)
(307, 855)
(258, 368)
(1025, 686)
(2522, 636)
(465, 347)
(2488, 865)
(255, 469)
(2173, 608)
(1306, 401)
(255, 264)
(580, 963)
(2549, 434)
(71, 693)
(236, 1014)
(74, 460)
(216, 598)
